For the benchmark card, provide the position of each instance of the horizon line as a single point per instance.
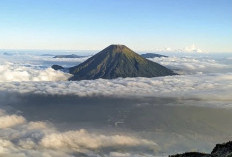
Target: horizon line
(174, 51)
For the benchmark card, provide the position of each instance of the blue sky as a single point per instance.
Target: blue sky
(146, 25)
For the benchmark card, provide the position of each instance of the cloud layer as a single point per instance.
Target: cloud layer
(190, 65)
(205, 82)
(15, 72)
(211, 87)
(37, 68)
(31, 139)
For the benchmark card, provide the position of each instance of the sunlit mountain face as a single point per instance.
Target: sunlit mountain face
(44, 114)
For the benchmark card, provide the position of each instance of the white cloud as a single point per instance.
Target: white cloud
(10, 121)
(14, 72)
(192, 48)
(81, 138)
(190, 65)
(189, 49)
(210, 86)
(39, 139)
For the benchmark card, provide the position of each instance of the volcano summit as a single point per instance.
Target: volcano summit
(117, 61)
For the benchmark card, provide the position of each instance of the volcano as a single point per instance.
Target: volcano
(117, 61)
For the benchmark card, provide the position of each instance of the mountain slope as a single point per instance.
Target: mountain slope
(220, 150)
(117, 61)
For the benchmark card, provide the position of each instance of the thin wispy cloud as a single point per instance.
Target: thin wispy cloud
(187, 49)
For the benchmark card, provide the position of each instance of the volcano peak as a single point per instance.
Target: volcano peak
(117, 61)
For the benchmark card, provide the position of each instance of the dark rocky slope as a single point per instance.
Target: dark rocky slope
(220, 150)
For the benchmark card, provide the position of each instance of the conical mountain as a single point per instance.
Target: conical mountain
(117, 61)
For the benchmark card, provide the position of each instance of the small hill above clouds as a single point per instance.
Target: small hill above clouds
(152, 55)
(117, 61)
(68, 56)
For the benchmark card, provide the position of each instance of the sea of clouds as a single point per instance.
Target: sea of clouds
(22, 138)
(203, 82)
(213, 87)
(202, 77)
(194, 65)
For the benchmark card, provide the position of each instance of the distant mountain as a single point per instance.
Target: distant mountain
(57, 67)
(47, 54)
(68, 56)
(117, 61)
(8, 54)
(152, 55)
(221, 150)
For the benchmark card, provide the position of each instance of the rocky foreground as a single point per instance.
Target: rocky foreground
(220, 150)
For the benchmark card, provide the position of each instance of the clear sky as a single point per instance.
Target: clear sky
(94, 24)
